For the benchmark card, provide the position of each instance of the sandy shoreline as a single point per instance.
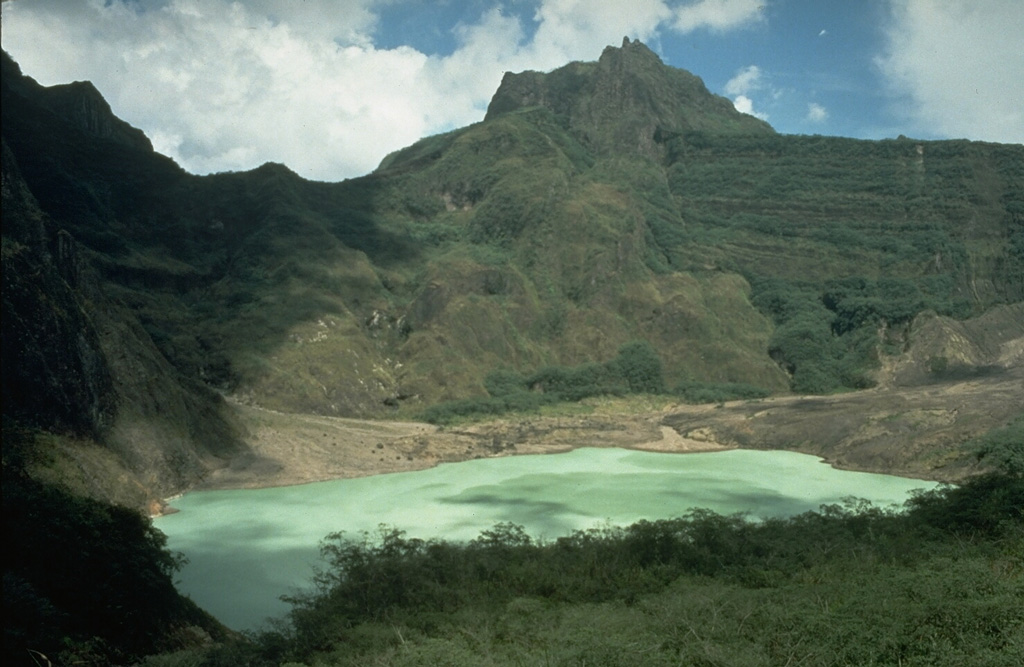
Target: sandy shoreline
(907, 431)
(289, 449)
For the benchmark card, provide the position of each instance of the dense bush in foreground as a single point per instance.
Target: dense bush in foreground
(939, 584)
(87, 583)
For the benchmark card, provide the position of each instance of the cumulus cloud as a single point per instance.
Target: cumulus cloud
(570, 29)
(956, 66)
(745, 105)
(221, 85)
(717, 14)
(224, 86)
(747, 80)
(816, 113)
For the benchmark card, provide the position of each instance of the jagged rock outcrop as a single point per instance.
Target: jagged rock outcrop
(83, 105)
(943, 349)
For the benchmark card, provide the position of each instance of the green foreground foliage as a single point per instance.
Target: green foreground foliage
(939, 583)
(88, 583)
(1003, 447)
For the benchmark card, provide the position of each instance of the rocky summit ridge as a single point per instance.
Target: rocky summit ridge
(627, 100)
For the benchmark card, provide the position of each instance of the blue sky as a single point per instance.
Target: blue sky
(329, 87)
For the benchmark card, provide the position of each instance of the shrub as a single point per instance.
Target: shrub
(639, 365)
(636, 369)
(717, 392)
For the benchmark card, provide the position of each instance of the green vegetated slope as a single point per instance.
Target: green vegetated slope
(599, 204)
(540, 239)
(846, 241)
(88, 398)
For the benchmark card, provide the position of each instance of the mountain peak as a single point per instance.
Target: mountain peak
(634, 49)
(78, 103)
(627, 100)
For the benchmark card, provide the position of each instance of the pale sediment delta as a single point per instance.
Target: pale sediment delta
(288, 449)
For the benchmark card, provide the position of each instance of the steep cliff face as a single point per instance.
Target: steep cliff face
(78, 103)
(55, 372)
(76, 362)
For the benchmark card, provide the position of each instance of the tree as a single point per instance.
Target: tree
(639, 365)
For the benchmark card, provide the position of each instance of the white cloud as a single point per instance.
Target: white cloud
(571, 29)
(957, 66)
(221, 85)
(718, 14)
(816, 113)
(746, 81)
(745, 105)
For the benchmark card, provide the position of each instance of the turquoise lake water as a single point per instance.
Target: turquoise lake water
(248, 547)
